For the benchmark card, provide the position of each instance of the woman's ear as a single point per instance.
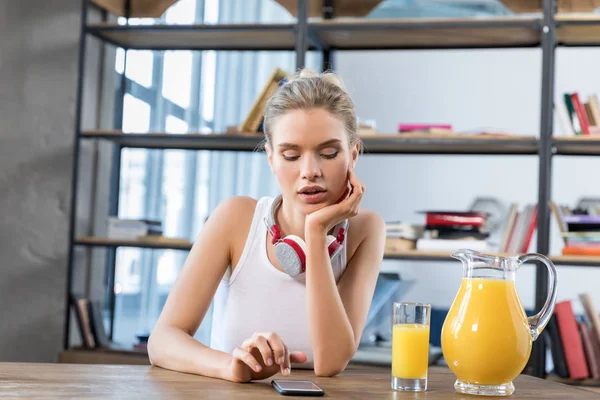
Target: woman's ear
(269, 156)
(354, 154)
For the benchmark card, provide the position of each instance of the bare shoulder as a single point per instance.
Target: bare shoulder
(235, 210)
(367, 222)
(365, 225)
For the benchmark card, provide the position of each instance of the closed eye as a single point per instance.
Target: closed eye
(331, 155)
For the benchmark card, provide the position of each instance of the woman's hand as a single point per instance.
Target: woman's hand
(260, 357)
(324, 219)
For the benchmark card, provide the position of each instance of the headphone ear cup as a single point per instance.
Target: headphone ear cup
(291, 255)
(333, 246)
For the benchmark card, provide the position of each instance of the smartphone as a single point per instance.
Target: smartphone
(297, 388)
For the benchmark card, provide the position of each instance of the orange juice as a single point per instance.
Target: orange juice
(410, 351)
(485, 337)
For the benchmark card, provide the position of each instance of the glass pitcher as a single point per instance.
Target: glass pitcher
(486, 336)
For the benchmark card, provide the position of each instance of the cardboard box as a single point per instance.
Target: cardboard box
(346, 8)
(563, 6)
(139, 8)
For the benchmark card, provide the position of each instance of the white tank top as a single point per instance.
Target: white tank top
(258, 297)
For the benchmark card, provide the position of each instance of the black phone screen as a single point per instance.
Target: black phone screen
(296, 386)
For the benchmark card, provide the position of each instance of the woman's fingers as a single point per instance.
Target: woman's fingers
(273, 351)
(358, 189)
(298, 357)
(265, 350)
(286, 368)
(247, 358)
(277, 346)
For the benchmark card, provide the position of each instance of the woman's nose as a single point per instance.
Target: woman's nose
(311, 167)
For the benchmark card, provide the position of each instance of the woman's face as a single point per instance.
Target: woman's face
(310, 155)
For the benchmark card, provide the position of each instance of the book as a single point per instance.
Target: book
(572, 114)
(564, 119)
(580, 113)
(594, 108)
(254, 118)
(425, 128)
(592, 359)
(571, 340)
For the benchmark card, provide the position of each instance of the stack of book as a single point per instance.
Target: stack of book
(577, 117)
(132, 229)
(425, 128)
(579, 229)
(452, 230)
(575, 340)
(519, 229)
(402, 236)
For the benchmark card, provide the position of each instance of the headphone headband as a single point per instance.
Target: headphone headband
(339, 231)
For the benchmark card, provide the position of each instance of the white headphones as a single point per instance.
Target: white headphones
(290, 250)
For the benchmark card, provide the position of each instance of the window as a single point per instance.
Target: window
(157, 184)
(181, 92)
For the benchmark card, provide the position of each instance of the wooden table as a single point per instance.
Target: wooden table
(143, 382)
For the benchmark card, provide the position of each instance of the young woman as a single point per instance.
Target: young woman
(292, 277)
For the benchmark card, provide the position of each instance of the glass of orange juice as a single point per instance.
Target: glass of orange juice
(410, 346)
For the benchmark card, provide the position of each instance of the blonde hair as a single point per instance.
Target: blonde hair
(307, 90)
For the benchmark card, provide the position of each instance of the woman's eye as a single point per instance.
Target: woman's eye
(290, 157)
(329, 156)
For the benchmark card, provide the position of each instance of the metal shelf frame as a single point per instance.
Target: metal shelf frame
(301, 37)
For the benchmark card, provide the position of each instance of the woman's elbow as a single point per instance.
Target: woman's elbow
(329, 370)
(154, 347)
(328, 367)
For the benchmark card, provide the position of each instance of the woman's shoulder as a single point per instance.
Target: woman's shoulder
(236, 208)
(365, 229)
(367, 222)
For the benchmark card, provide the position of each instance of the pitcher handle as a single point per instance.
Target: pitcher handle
(538, 322)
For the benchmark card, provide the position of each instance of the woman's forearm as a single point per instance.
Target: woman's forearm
(331, 334)
(171, 348)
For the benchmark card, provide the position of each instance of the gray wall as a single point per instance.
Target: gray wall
(38, 74)
(470, 89)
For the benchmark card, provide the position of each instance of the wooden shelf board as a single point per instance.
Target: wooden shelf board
(187, 141)
(341, 33)
(197, 37)
(410, 255)
(355, 34)
(578, 29)
(373, 144)
(165, 244)
(583, 261)
(417, 33)
(577, 145)
(419, 255)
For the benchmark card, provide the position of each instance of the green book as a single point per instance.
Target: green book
(572, 114)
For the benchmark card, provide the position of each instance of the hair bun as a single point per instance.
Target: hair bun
(329, 77)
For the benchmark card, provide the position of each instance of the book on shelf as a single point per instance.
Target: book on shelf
(447, 130)
(131, 229)
(89, 322)
(441, 231)
(579, 229)
(574, 340)
(519, 229)
(449, 230)
(577, 116)
(254, 119)
(425, 128)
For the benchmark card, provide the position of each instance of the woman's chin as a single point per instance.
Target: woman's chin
(310, 208)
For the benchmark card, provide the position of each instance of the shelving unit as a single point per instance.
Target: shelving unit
(545, 32)
(379, 144)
